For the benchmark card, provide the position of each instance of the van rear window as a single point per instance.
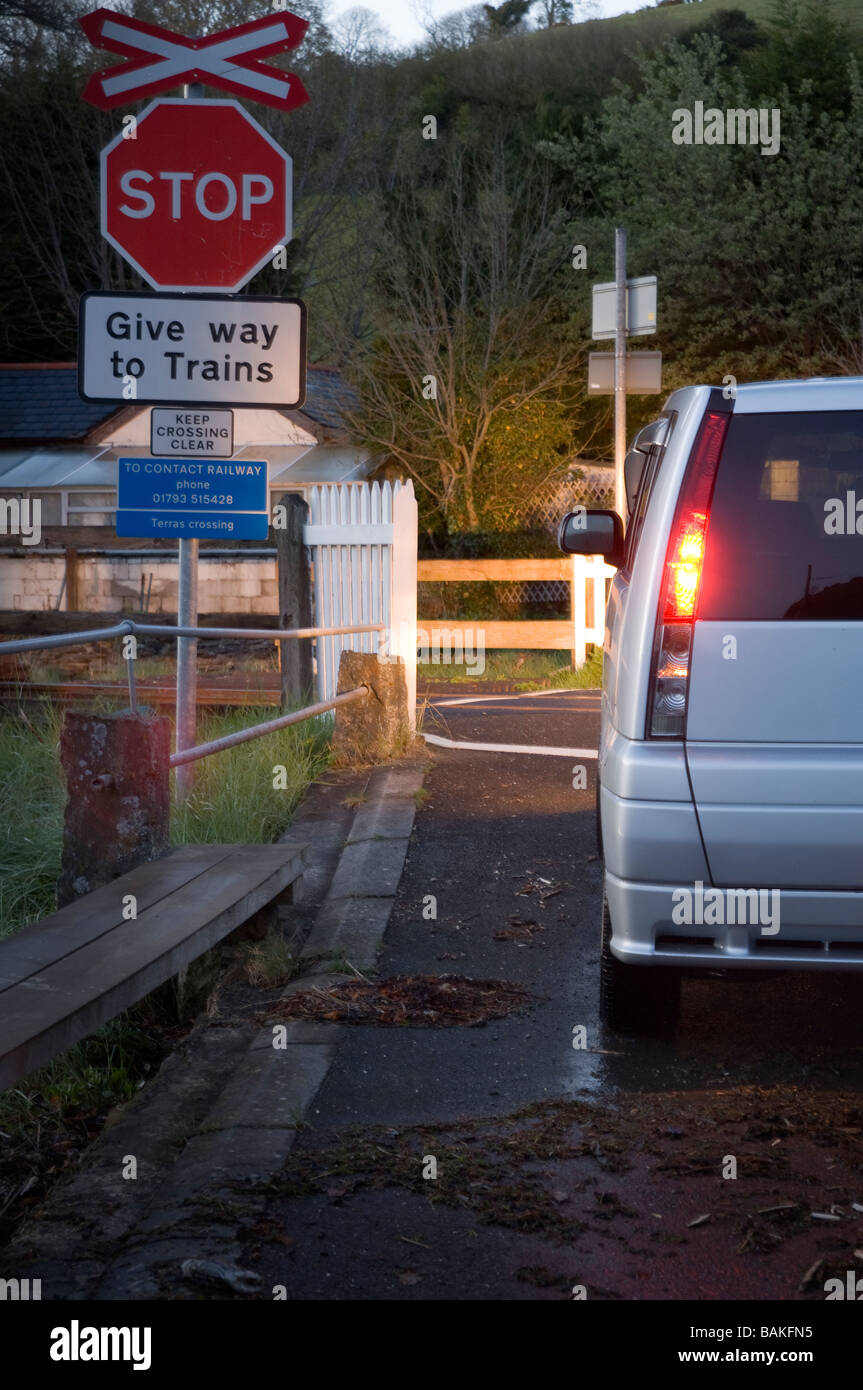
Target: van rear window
(785, 537)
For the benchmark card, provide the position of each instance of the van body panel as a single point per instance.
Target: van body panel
(813, 393)
(832, 773)
(651, 840)
(762, 796)
(819, 931)
(800, 846)
(638, 770)
(787, 683)
(774, 723)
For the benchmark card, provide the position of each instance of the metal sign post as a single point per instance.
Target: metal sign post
(185, 733)
(180, 250)
(187, 663)
(620, 371)
(623, 308)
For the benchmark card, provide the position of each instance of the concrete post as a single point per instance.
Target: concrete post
(295, 600)
(378, 727)
(119, 800)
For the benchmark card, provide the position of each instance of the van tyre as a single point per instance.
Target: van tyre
(635, 998)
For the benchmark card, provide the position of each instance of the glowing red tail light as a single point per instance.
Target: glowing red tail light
(686, 546)
(679, 597)
(684, 568)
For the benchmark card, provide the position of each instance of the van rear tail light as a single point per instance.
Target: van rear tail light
(671, 662)
(683, 569)
(678, 600)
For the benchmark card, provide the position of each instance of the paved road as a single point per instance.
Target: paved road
(563, 1166)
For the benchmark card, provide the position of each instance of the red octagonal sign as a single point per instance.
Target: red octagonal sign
(196, 195)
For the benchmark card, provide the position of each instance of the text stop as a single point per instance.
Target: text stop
(215, 195)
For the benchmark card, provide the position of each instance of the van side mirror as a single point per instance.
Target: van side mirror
(597, 532)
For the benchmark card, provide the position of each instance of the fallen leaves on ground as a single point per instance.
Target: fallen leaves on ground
(416, 1001)
(541, 888)
(521, 929)
(564, 1170)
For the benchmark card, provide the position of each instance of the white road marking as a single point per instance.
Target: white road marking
(534, 749)
(519, 695)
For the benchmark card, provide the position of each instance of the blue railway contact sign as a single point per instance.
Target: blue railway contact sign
(209, 498)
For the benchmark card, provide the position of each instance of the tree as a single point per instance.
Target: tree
(459, 29)
(507, 17)
(471, 381)
(359, 36)
(199, 17)
(807, 52)
(736, 30)
(27, 27)
(760, 259)
(555, 12)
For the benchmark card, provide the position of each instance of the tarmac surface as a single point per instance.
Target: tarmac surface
(538, 1154)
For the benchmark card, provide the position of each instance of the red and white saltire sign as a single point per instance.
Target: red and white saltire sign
(162, 59)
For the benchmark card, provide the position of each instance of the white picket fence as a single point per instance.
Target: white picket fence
(363, 543)
(588, 569)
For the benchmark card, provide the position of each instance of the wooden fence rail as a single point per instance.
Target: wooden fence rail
(585, 574)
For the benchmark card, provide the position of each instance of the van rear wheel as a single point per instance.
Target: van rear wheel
(635, 998)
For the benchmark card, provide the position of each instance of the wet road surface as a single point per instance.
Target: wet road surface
(505, 1162)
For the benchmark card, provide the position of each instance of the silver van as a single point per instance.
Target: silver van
(730, 798)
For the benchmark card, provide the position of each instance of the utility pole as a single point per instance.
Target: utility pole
(620, 371)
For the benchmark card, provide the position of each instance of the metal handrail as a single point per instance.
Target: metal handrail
(129, 628)
(218, 745)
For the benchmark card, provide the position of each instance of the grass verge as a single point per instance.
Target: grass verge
(246, 794)
(234, 800)
(523, 670)
(31, 816)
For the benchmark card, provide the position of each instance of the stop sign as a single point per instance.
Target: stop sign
(196, 195)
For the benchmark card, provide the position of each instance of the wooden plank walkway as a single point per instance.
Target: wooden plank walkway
(64, 976)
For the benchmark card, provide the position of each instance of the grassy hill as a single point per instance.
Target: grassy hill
(584, 56)
(571, 67)
(670, 19)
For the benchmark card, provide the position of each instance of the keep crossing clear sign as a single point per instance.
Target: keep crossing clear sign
(192, 498)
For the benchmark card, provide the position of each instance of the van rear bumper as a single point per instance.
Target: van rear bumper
(817, 931)
(647, 841)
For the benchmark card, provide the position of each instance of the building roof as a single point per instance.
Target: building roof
(327, 396)
(290, 465)
(39, 403)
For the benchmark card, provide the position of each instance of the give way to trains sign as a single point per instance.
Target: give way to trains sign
(162, 349)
